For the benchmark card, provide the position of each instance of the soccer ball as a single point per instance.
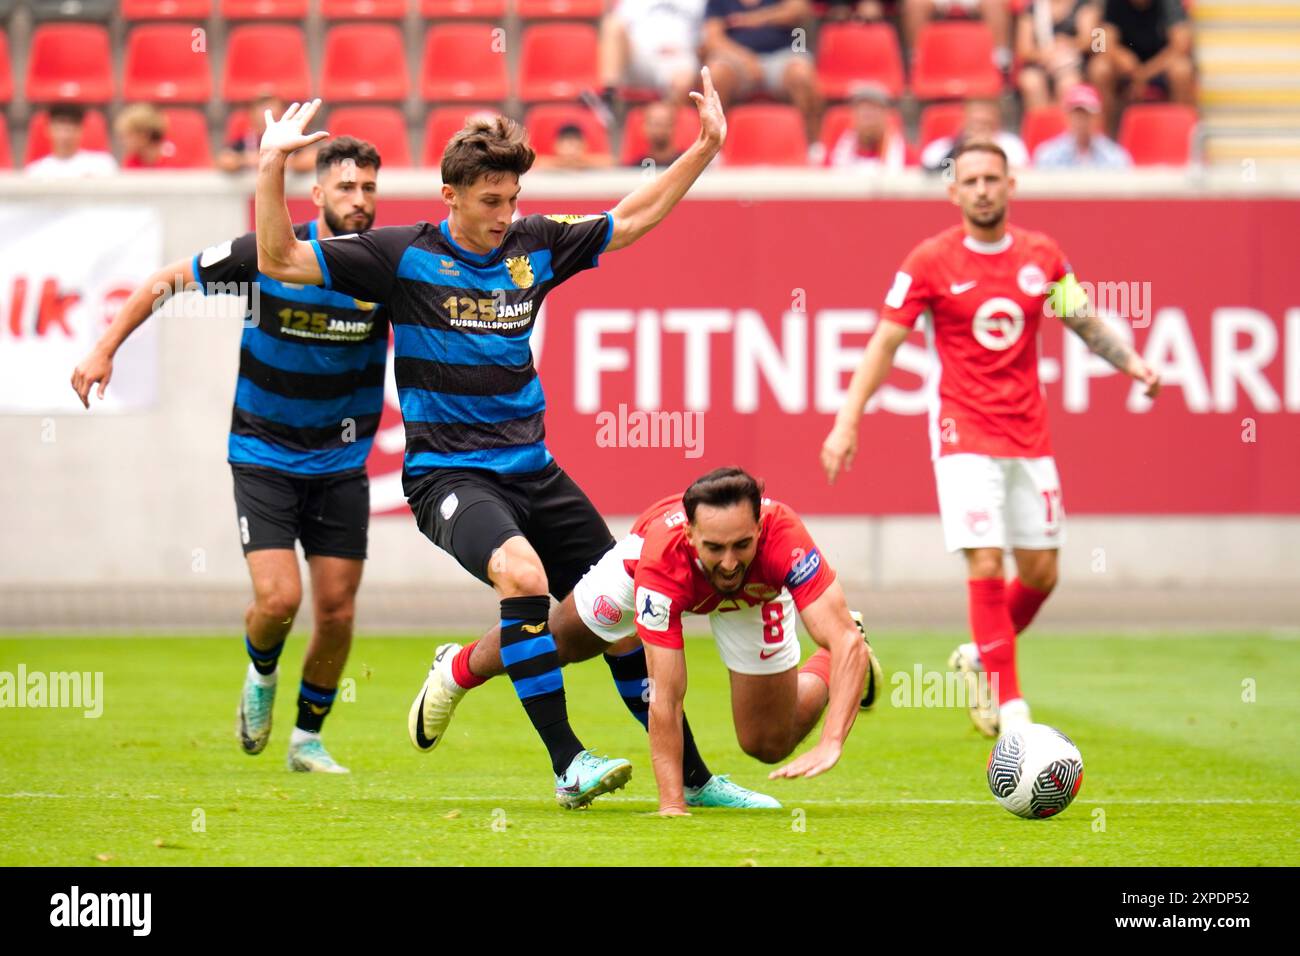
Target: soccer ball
(1035, 771)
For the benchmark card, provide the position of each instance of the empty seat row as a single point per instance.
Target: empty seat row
(298, 9)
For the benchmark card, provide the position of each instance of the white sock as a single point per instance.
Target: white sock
(263, 680)
(300, 736)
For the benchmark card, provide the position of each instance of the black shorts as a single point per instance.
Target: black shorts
(329, 515)
(469, 513)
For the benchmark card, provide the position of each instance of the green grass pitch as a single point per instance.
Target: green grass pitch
(1183, 767)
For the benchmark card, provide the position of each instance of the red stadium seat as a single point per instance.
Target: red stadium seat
(363, 9)
(544, 122)
(161, 65)
(442, 124)
(557, 61)
(166, 9)
(263, 9)
(187, 128)
(384, 127)
(839, 118)
(1158, 134)
(573, 9)
(685, 130)
(769, 134)
(955, 59)
(464, 61)
(940, 120)
(6, 157)
(94, 134)
(364, 62)
(853, 53)
(266, 59)
(6, 70)
(1040, 125)
(450, 9)
(69, 62)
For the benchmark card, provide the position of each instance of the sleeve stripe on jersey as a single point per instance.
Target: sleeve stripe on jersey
(194, 267)
(609, 234)
(324, 269)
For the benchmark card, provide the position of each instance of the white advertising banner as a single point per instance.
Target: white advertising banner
(64, 273)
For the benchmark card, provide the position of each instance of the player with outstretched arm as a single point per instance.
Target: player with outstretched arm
(984, 286)
(462, 296)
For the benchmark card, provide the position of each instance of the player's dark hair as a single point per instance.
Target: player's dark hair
(68, 111)
(980, 146)
(342, 148)
(722, 488)
(486, 146)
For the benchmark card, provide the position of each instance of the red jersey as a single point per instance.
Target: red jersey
(985, 302)
(668, 582)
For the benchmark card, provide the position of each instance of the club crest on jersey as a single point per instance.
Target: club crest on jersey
(1031, 279)
(652, 609)
(521, 271)
(605, 611)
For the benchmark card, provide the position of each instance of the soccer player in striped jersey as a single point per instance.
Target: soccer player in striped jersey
(307, 405)
(983, 288)
(462, 296)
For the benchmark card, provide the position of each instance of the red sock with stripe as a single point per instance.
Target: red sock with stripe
(994, 635)
(1023, 603)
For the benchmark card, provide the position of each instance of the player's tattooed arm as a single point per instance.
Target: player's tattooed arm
(1104, 342)
(281, 254)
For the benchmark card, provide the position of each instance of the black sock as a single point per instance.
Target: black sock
(529, 655)
(633, 682)
(265, 662)
(314, 704)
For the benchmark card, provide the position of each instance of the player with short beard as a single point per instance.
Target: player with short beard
(307, 406)
(984, 286)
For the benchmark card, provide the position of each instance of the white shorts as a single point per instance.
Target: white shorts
(751, 639)
(1003, 503)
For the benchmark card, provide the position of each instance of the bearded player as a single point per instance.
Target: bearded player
(984, 285)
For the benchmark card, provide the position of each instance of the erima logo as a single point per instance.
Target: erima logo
(103, 909)
(652, 609)
(803, 569)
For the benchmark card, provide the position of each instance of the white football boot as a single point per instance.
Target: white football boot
(434, 704)
(965, 660)
(1013, 715)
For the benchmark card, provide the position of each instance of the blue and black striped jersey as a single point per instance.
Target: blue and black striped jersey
(461, 322)
(311, 366)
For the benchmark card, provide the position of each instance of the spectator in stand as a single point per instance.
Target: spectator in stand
(1148, 44)
(1083, 144)
(1053, 37)
(996, 14)
(241, 153)
(142, 137)
(870, 142)
(751, 45)
(864, 11)
(658, 123)
(67, 160)
(651, 43)
(571, 152)
(983, 120)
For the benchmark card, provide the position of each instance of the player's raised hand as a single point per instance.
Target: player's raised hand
(713, 123)
(818, 760)
(838, 451)
(286, 134)
(95, 367)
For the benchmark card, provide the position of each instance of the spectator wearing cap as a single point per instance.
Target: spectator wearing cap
(67, 160)
(982, 121)
(870, 142)
(142, 135)
(752, 45)
(1148, 47)
(1083, 144)
(1053, 37)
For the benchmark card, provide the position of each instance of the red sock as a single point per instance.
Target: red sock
(819, 665)
(1023, 602)
(995, 636)
(460, 672)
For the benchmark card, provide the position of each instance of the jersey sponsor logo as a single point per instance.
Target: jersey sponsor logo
(521, 270)
(572, 218)
(448, 506)
(652, 609)
(979, 522)
(606, 611)
(998, 324)
(804, 567)
(957, 288)
(1031, 279)
(898, 291)
(214, 254)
